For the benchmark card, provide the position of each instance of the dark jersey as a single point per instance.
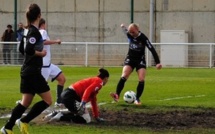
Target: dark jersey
(32, 63)
(137, 47)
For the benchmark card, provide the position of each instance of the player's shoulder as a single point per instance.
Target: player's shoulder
(143, 36)
(43, 31)
(33, 32)
(97, 79)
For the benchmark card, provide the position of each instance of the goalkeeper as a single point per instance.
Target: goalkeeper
(83, 91)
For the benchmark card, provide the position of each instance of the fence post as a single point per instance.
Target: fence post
(86, 55)
(211, 55)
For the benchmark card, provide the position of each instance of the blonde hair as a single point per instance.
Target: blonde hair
(134, 25)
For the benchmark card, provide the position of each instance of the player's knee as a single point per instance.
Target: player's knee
(61, 79)
(49, 102)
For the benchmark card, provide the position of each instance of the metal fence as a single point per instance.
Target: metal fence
(113, 54)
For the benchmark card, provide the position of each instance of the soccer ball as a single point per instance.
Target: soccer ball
(129, 97)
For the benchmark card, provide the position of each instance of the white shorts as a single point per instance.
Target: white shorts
(51, 72)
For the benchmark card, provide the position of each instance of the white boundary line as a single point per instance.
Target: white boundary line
(183, 97)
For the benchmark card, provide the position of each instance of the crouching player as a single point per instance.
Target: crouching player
(82, 91)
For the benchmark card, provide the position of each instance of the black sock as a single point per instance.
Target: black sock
(16, 114)
(59, 91)
(120, 85)
(140, 88)
(67, 117)
(37, 109)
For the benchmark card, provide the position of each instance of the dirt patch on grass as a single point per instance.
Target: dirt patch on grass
(174, 119)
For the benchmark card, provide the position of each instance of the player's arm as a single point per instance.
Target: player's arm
(48, 42)
(94, 87)
(40, 54)
(51, 42)
(154, 53)
(124, 29)
(31, 48)
(95, 110)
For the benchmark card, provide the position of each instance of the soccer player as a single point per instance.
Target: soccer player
(32, 81)
(83, 91)
(135, 59)
(50, 70)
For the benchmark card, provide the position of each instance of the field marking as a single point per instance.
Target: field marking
(183, 97)
(50, 109)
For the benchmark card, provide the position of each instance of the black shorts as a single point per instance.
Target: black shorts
(33, 84)
(70, 99)
(135, 62)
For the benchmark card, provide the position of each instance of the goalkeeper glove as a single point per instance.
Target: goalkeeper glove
(81, 109)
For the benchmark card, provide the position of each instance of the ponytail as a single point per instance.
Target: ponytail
(32, 13)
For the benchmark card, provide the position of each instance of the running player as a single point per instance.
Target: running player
(83, 91)
(50, 70)
(135, 59)
(32, 81)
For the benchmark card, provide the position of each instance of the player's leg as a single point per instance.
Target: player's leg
(61, 81)
(85, 118)
(69, 99)
(18, 111)
(45, 71)
(26, 101)
(38, 85)
(38, 107)
(27, 98)
(57, 74)
(71, 117)
(127, 70)
(140, 86)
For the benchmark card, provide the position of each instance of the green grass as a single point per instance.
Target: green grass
(166, 89)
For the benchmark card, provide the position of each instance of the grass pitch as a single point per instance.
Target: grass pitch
(165, 90)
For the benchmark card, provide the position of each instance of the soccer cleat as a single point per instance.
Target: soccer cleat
(59, 105)
(49, 116)
(18, 101)
(56, 117)
(23, 127)
(115, 96)
(6, 131)
(137, 102)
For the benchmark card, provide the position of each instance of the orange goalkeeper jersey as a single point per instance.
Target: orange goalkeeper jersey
(87, 89)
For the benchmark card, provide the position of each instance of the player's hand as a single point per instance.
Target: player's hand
(159, 66)
(81, 109)
(40, 54)
(43, 53)
(58, 41)
(98, 119)
(122, 25)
